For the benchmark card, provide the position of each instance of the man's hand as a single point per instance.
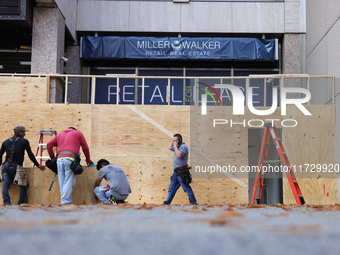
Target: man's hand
(42, 168)
(175, 143)
(171, 144)
(174, 140)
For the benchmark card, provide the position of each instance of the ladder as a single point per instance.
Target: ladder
(41, 144)
(270, 130)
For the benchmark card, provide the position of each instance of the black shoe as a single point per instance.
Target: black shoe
(114, 201)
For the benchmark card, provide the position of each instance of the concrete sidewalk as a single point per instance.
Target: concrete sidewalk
(151, 229)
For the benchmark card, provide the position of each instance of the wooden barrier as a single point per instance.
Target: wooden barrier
(23, 90)
(40, 181)
(313, 142)
(123, 137)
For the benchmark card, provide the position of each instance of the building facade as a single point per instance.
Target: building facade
(53, 29)
(134, 37)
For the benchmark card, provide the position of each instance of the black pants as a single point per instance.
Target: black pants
(9, 172)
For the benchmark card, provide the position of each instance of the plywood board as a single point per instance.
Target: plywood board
(312, 142)
(141, 150)
(38, 117)
(40, 182)
(23, 90)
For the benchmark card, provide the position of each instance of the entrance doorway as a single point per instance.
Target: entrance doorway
(273, 183)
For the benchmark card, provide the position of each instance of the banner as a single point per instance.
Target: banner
(117, 47)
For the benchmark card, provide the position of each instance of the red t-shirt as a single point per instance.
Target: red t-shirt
(69, 140)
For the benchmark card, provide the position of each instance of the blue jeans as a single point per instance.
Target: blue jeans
(175, 182)
(9, 172)
(104, 195)
(67, 180)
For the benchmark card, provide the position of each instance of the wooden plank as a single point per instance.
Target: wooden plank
(45, 117)
(48, 89)
(156, 174)
(23, 90)
(225, 145)
(312, 142)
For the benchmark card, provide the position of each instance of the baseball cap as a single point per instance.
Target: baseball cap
(18, 128)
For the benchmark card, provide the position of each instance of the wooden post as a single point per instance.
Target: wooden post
(282, 85)
(93, 90)
(143, 80)
(184, 84)
(221, 90)
(333, 89)
(265, 93)
(308, 87)
(117, 94)
(169, 91)
(196, 92)
(247, 88)
(136, 85)
(48, 89)
(66, 88)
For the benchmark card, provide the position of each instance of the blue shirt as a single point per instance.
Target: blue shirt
(178, 162)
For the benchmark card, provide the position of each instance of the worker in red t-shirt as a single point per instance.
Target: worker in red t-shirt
(68, 143)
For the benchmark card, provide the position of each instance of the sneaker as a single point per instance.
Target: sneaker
(112, 200)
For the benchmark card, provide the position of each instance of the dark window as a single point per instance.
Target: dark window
(15, 51)
(10, 7)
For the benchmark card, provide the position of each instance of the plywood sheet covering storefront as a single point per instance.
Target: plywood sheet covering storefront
(310, 147)
(23, 90)
(141, 150)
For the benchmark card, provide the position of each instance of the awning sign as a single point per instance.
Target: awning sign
(116, 47)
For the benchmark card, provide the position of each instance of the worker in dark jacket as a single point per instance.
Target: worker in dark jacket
(14, 158)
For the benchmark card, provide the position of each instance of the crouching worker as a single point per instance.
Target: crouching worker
(118, 187)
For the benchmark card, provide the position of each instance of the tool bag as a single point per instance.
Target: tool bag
(75, 166)
(52, 164)
(184, 173)
(20, 176)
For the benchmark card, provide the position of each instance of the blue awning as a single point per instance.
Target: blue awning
(118, 47)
